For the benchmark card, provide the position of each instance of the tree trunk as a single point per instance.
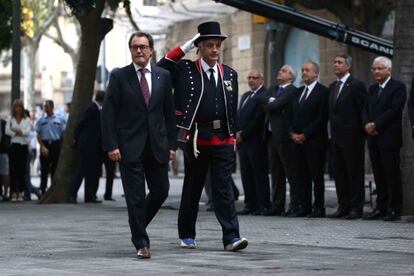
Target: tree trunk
(404, 71)
(30, 52)
(93, 30)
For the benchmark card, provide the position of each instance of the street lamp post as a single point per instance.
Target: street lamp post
(16, 46)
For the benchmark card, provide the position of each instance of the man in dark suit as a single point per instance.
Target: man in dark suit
(205, 93)
(88, 140)
(251, 148)
(308, 131)
(276, 105)
(138, 130)
(347, 96)
(383, 124)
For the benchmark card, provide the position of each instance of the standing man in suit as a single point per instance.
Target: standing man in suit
(308, 131)
(251, 148)
(88, 139)
(383, 124)
(205, 93)
(138, 131)
(347, 97)
(276, 105)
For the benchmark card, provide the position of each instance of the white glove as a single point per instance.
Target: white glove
(189, 45)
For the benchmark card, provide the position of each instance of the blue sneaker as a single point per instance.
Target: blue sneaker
(188, 243)
(236, 244)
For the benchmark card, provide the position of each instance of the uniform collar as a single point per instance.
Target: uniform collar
(206, 67)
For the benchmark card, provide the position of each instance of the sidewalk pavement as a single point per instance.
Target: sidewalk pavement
(94, 239)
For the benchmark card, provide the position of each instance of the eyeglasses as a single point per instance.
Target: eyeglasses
(253, 78)
(141, 47)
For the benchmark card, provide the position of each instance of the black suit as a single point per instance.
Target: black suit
(144, 135)
(251, 150)
(280, 145)
(410, 106)
(348, 138)
(310, 118)
(385, 110)
(87, 136)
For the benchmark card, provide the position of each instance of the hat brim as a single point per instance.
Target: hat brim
(203, 37)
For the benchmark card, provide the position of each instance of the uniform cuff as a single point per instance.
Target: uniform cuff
(175, 54)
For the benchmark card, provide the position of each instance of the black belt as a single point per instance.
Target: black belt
(49, 142)
(216, 124)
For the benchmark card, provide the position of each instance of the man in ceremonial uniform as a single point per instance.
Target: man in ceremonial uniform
(206, 109)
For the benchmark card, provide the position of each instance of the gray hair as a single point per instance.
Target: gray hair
(386, 61)
(315, 65)
(292, 71)
(347, 58)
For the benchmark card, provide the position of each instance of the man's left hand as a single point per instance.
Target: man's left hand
(172, 155)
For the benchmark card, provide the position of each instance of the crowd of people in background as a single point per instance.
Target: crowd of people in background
(297, 126)
(30, 143)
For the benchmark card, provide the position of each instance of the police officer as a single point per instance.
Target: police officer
(49, 130)
(205, 93)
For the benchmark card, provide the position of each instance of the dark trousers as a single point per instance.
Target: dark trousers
(282, 167)
(220, 159)
(17, 158)
(309, 163)
(387, 176)
(142, 208)
(48, 163)
(349, 174)
(110, 167)
(255, 179)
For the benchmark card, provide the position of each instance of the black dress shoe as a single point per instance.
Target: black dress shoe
(354, 214)
(246, 211)
(317, 213)
(393, 216)
(297, 213)
(109, 198)
(273, 212)
(72, 200)
(260, 212)
(93, 201)
(376, 214)
(340, 213)
(143, 253)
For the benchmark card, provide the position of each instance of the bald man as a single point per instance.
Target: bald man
(252, 148)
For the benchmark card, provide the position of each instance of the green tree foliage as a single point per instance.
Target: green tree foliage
(6, 11)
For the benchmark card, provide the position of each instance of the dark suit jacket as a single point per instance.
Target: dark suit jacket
(251, 118)
(278, 111)
(345, 114)
(410, 105)
(386, 112)
(127, 123)
(311, 117)
(87, 133)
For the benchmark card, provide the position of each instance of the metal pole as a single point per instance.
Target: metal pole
(16, 46)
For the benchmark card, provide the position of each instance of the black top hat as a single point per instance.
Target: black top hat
(207, 30)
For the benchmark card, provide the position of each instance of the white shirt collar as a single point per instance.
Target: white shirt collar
(137, 67)
(344, 78)
(284, 85)
(257, 89)
(206, 67)
(385, 82)
(311, 86)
